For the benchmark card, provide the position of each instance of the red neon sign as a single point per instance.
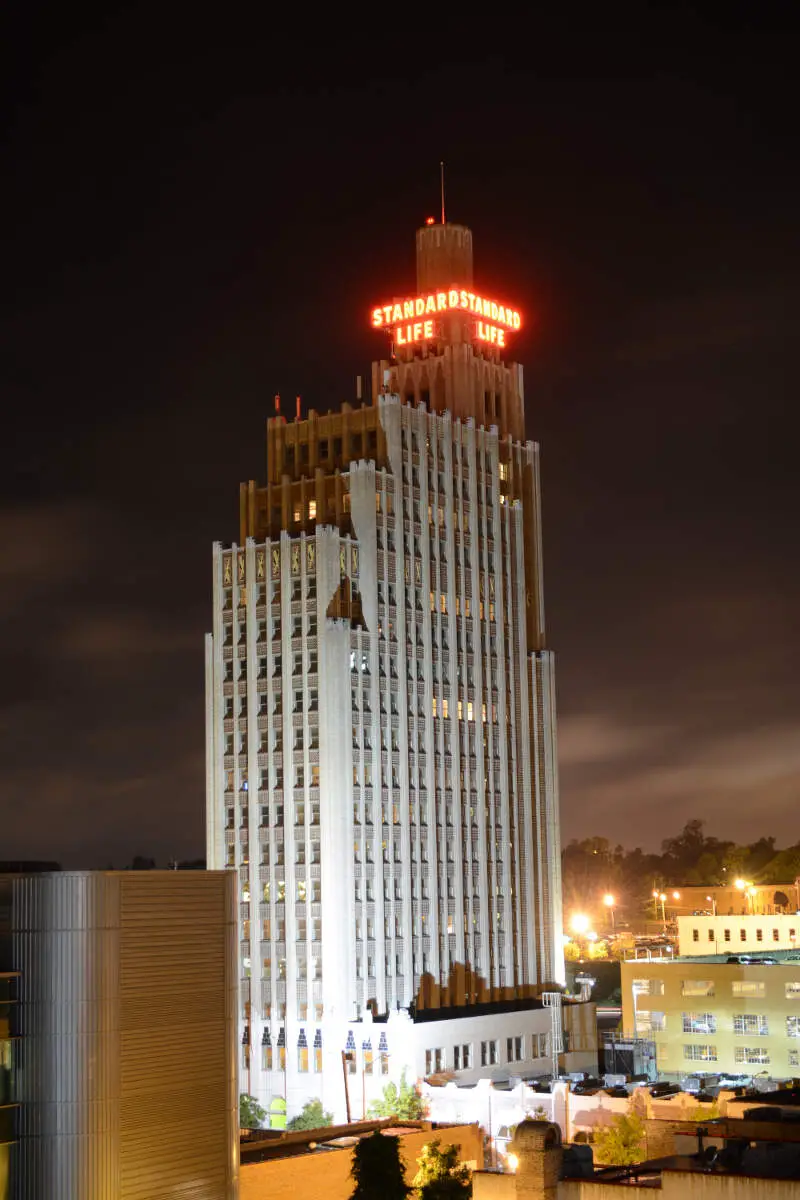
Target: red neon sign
(402, 317)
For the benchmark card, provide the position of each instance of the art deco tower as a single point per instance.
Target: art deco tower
(381, 742)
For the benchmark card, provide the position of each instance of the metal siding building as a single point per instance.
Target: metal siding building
(125, 1068)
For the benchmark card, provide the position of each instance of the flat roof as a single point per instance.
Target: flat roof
(757, 958)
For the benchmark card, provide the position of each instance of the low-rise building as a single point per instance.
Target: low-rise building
(717, 1013)
(745, 933)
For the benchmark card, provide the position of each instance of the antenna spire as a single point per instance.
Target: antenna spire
(441, 177)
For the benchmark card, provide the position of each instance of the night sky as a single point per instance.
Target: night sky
(200, 211)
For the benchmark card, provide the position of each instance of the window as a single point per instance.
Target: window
(727, 935)
(695, 935)
(751, 1054)
(514, 1049)
(489, 1053)
(748, 987)
(651, 1022)
(434, 1061)
(462, 1058)
(697, 987)
(794, 1058)
(700, 1053)
(793, 990)
(750, 1023)
(312, 510)
(694, 1022)
(648, 987)
(302, 1059)
(793, 1027)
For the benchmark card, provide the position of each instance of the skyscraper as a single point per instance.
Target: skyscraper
(381, 745)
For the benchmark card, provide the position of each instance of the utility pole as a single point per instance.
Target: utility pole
(345, 1064)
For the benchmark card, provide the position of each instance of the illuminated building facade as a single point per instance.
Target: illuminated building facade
(381, 747)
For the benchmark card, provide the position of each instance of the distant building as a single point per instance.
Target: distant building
(730, 900)
(124, 1063)
(380, 721)
(745, 933)
(707, 1014)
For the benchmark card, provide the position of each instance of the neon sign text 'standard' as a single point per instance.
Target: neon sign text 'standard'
(402, 316)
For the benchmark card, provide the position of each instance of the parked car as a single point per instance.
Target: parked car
(660, 1090)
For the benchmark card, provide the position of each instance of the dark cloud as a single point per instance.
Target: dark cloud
(199, 222)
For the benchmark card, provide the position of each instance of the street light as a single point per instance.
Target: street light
(580, 923)
(609, 902)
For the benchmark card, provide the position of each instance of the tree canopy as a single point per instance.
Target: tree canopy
(620, 1144)
(441, 1175)
(377, 1169)
(404, 1102)
(593, 865)
(311, 1116)
(251, 1114)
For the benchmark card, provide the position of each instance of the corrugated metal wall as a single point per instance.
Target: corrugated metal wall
(126, 1065)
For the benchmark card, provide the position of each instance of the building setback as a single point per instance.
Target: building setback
(380, 719)
(124, 1063)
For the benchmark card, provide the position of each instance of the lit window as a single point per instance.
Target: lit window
(793, 1027)
(748, 987)
(700, 1053)
(298, 513)
(750, 1023)
(444, 707)
(793, 990)
(312, 510)
(755, 1055)
(697, 987)
(699, 1022)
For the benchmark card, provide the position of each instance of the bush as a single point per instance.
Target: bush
(620, 1144)
(251, 1114)
(441, 1176)
(312, 1116)
(377, 1169)
(404, 1102)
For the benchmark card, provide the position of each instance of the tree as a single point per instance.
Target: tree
(251, 1114)
(621, 1143)
(377, 1169)
(404, 1102)
(440, 1175)
(312, 1116)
